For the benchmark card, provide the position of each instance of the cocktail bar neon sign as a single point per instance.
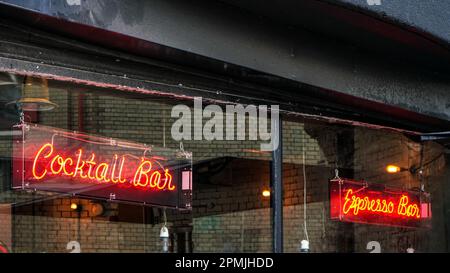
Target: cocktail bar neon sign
(147, 174)
(51, 159)
(360, 202)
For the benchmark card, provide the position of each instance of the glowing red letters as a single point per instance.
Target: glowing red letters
(354, 204)
(145, 175)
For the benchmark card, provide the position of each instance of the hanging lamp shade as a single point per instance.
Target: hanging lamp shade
(35, 95)
(7, 79)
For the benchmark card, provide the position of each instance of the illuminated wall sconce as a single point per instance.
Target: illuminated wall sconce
(266, 193)
(76, 207)
(396, 169)
(393, 169)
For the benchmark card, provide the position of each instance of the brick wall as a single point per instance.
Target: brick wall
(6, 225)
(236, 217)
(229, 213)
(52, 234)
(226, 229)
(373, 151)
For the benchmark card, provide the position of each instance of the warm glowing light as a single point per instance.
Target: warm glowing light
(73, 206)
(354, 204)
(146, 175)
(393, 169)
(266, 193)
(378, 204)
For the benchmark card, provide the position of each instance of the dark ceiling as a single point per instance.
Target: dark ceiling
(363, 26)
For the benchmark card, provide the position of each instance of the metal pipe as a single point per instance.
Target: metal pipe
(277, 188)
(81, 112)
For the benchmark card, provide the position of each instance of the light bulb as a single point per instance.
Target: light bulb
(393, 169)
(266, 193)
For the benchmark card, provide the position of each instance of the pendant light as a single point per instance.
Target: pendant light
(35, 95)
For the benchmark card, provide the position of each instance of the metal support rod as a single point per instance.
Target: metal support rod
(277, 188)
(187, 242)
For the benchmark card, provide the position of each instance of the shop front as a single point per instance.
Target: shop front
(105, 149)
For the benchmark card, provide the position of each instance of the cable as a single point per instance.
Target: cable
(144, 222)
(433, 160)
(304, 192)
(164, 217)
(164, 128)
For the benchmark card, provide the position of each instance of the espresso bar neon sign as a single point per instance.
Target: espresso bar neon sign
(361, 202)
(354, 204)
(48, 162)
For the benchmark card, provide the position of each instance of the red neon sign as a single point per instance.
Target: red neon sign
(352, 201)
(354, 204)
(49, 162)
(51, 159)
(3, 248)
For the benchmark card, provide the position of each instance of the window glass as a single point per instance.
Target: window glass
(89, 169)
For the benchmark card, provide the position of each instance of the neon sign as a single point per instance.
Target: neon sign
(51, 159)
(353, 204)
(48, 162)
(360, 202)
(3, 248)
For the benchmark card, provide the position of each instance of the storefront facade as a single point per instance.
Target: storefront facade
(92, 95)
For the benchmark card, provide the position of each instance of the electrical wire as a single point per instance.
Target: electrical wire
(164, 128)
(164, 217)
(304, 192)
(433, 160)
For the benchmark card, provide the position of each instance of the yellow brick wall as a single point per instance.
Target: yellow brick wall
(230, 214)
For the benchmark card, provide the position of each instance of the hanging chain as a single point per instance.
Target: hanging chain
(182, 152)
(22, 118)
(21, 123)
(336, 169)
(336, 174)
